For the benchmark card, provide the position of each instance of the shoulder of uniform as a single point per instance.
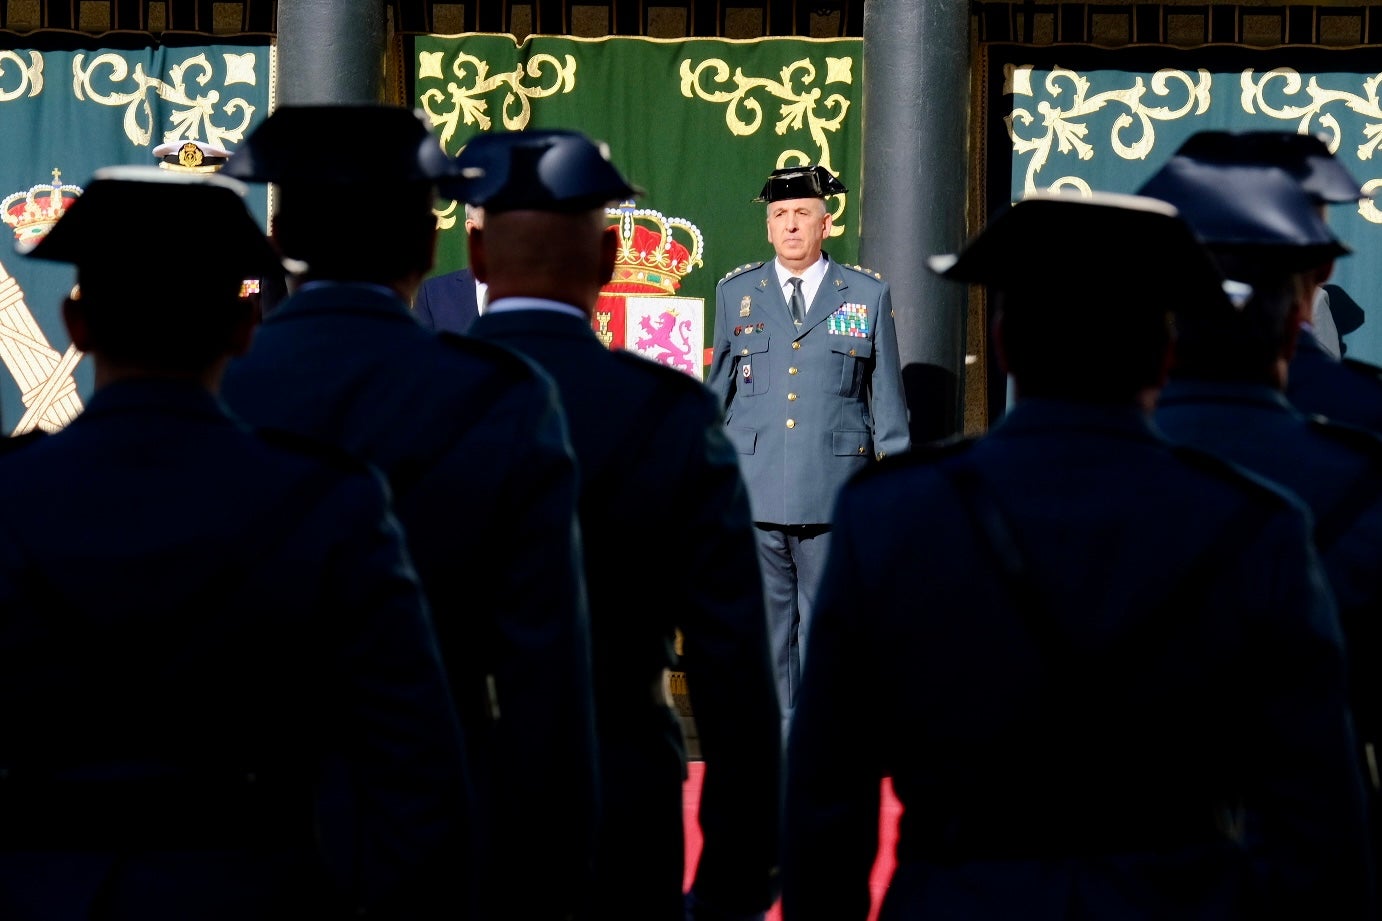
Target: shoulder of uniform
(668, 380)
(503, 360)
(15, 442)
(1356, 437)
(1358, 366)
(1255, 487)
(869, 273)
(746, 267)
(328, 453)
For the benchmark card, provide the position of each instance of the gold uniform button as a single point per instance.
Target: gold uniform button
(791, 370)
(743, 351)
(861, 449)
(791, 423)
(851, 352)
(796, 345)
(791, 397)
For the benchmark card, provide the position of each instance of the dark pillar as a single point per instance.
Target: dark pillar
(914, 191)
(330, 51)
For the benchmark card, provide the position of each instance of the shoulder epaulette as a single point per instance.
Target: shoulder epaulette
(1231, 473)
(15, 442)
(1364, 368)
(1360, 439)
(741, 269)
(329, 453)
(859, 268)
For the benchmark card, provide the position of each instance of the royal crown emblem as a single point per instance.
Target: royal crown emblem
(649, 256)
(33, 213)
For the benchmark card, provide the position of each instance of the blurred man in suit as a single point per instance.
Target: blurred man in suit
(645, 436)
(472, 440)
(1104, 673)
(451, 302)
(807, 371)
(223, 696)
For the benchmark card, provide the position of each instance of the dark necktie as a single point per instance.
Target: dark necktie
(796, 303)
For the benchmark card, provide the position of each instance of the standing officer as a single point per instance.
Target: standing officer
(1226, 392)
(642, 433)
(1104, 674)
(807, 371)
(472, 440)
(222, 695)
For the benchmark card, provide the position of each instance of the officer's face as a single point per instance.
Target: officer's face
(797, 227)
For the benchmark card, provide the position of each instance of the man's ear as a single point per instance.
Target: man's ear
(74, 318)
(479, 259)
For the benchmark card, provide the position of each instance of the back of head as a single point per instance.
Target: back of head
(161, 258)
(1085, 288)
(360, 212)
(543, 195)
(1244, 196)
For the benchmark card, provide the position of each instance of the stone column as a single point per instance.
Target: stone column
(330, 51)
(914, 191)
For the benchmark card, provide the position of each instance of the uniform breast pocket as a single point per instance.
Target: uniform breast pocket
(751, 368)
(849, 360)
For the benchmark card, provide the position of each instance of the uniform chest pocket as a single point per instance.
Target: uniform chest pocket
(847, 364)
(751, 367)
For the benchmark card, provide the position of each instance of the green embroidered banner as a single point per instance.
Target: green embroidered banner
(1083, 118)
(70, 104)
(697, 123)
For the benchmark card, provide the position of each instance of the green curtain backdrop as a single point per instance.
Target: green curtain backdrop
(1084, 118)
(697, 123)
(70, 104)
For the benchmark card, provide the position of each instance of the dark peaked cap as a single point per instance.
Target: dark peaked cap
(1304, 156)
(537, 170)
(800, 182)
(386, 144)
(1106, 249)
(135, 219)
(1254, 209)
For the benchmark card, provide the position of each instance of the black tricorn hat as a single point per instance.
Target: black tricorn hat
(1102, 247)
(1254, 209)
(388, 144)
(1304, 156)
(800, 182)
(121, 224)
(537, 170)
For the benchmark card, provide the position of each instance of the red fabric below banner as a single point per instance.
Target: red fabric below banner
(887, 837)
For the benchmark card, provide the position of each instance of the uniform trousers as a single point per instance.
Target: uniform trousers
(792, 559)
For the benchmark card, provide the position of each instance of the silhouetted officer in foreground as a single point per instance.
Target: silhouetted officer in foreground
(222, 695)
(473, 442)
(668, 541)
(1265, 228)
(1103, 672)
